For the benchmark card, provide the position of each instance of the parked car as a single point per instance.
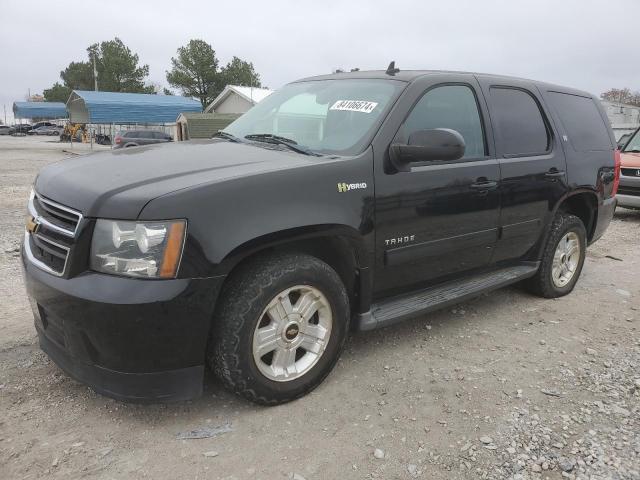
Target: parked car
(21, 128)
(622, 141)
(38, 125)
(6, 130)
(133, 138)
(629, 191)
(47, 130)
(380, 197)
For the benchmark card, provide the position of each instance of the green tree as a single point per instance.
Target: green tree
(118, 69)
(239, 72)
(57, 93)
(195, 71)
(78, 76)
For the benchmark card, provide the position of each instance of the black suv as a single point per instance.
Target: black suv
(346, 201)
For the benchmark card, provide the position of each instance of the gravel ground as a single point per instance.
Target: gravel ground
(504, 386)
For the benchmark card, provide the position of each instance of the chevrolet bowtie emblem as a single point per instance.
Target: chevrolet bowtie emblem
(32, 225)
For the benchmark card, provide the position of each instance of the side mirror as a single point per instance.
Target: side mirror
(439, 144)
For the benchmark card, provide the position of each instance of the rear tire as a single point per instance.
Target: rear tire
(279, 327)
(562, 259)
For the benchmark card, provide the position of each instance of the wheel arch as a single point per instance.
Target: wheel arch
(340, 246)
(583, 204)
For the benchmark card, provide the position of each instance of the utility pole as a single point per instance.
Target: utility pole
(95, 73)
(4, 107)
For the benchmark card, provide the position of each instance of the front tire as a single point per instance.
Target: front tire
(279, 327)
(562, 259)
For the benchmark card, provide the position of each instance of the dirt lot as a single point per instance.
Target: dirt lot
(504, 386)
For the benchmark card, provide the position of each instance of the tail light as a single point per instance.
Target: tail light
(118, 139)
(616, 173)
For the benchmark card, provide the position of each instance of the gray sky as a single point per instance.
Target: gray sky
(592, 45)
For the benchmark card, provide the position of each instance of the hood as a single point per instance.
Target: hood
(119, 183)
(630, 160)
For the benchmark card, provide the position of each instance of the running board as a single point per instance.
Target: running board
(399, 308)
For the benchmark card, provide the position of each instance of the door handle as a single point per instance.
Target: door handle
(484, 185)
(554, 173)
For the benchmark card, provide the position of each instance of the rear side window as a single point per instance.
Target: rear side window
(520, 126)
(449, 106)
(582, 121)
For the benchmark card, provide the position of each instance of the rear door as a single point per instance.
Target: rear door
(532, 164)
(160, 137)
(440, 219)
(145, 137)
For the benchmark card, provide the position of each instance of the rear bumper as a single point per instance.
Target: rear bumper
(605, 214)
(130, 339)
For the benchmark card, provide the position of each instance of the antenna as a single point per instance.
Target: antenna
(391, 69)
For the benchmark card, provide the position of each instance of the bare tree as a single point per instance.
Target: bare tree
(622, 95)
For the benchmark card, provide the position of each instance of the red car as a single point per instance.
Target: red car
(629, 191)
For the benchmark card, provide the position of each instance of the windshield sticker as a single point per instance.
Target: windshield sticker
(354, 106)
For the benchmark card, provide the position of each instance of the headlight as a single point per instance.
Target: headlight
(138, 249)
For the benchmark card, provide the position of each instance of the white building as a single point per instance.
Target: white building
(236, 99)
(624, 118)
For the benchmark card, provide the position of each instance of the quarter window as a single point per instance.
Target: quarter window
(449, 106)
(520, 127)
(581, 119)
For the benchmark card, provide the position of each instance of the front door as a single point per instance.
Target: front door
(440, 219)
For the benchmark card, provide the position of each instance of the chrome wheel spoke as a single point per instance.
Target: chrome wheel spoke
(284, 362)
(312, 344)
(307, 305)
(280, 309)
(315, 331)
(266, 340)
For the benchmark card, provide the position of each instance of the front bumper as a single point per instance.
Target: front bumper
(628, 201)
(629, 192)
(130, 339)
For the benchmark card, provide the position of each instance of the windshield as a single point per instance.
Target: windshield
(326, 116)
(634, 144)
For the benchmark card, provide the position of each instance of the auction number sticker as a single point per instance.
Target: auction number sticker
(354, 106)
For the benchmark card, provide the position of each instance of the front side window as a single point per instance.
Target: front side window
(326, 116)
(634, 144)
(520, 127)
(449, 106)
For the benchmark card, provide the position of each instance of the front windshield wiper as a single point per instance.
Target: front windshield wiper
(227, 135)
(278, 140)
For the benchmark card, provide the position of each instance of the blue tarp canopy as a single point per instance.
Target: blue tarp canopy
(39, 110)
(112, 107)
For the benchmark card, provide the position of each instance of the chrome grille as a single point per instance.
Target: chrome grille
(48, 245)
(46, 254)
(54, 216)
(631, 172)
